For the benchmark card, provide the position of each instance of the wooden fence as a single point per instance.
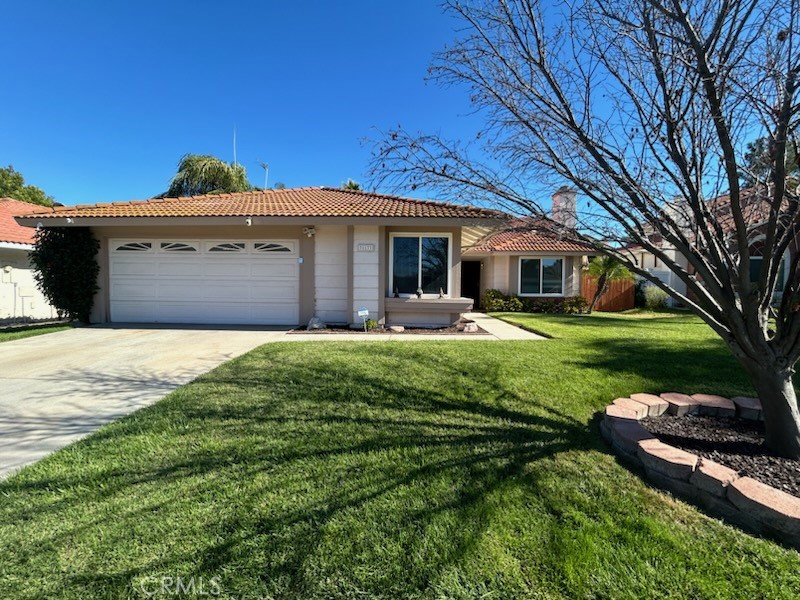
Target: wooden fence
(620, 294)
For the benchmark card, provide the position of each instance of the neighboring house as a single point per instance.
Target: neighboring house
(651, 263)
(755, 209)
(530, 257)
(19, 297)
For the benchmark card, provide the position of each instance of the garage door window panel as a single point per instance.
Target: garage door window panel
(272, 247)
(133, 247)
(227, 247)
(178, 247)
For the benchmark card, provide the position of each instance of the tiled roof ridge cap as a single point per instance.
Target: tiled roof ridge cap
(414, 200)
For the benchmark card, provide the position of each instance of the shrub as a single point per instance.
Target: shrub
(494, 301)
(638, 292)
(514, 304)
(654, 297)
(65, 259)
(576, 305)
(497, 301)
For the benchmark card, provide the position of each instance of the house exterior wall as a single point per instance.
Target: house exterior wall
(344, 267)
(653, 265)
(332, 274)
(501, 272)
(19, 296)
(498, 276)
(573, 266)
(366, 275)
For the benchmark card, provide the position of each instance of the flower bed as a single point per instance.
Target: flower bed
(723, 491)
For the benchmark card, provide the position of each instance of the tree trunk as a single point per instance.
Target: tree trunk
(602, 284)
(779, 404)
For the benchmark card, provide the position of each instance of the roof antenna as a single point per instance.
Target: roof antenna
(234, 146)
(265, 166)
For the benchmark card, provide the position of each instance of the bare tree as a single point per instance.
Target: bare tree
(646, 107)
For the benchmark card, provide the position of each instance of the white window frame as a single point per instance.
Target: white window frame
(540, 258)
(422, 234)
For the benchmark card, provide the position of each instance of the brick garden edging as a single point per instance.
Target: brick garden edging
(748, 503)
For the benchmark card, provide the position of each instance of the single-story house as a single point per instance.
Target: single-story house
(531, 256)
(19, 297)
(284, 256)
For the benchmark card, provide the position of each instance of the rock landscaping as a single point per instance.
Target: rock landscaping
(709, 450)
(464, 326)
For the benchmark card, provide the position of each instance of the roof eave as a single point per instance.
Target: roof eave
(6, 245)
(483, 253)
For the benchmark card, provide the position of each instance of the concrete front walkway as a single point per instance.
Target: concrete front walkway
(59, 387)
(495, 330)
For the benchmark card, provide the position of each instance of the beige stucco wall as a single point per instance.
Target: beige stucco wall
(497, 277)
(344, 267)
(501, 272)
(19, 296)
(366, 273)
(331, 278)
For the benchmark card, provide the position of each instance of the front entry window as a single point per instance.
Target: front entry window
(420, 262)
(541, 276)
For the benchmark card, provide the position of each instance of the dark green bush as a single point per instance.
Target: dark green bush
(576, 305)
(497, 301)
(65, 259)
(494, 301)
(639, 298)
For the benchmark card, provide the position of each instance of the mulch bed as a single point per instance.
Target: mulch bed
(735, 443)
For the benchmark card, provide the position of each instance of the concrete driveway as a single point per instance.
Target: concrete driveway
(59, 387)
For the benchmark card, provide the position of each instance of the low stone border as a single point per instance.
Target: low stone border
(748, 503)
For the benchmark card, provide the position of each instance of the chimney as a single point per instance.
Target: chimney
(565, 207)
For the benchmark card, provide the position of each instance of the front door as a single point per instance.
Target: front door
(471, 280)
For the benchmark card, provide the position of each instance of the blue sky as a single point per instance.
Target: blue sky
(101, 99)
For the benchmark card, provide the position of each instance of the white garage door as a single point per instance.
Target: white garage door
(205, 281)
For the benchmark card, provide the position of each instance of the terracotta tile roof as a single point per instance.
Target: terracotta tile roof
(756, 206)
(529, 235)
(10, 231)
(296, 202)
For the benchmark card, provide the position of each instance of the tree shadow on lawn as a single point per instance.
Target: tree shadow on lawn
(300, 474)
(383, 461)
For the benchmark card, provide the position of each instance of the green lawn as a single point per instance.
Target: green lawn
(392, 470)
(18, 334)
